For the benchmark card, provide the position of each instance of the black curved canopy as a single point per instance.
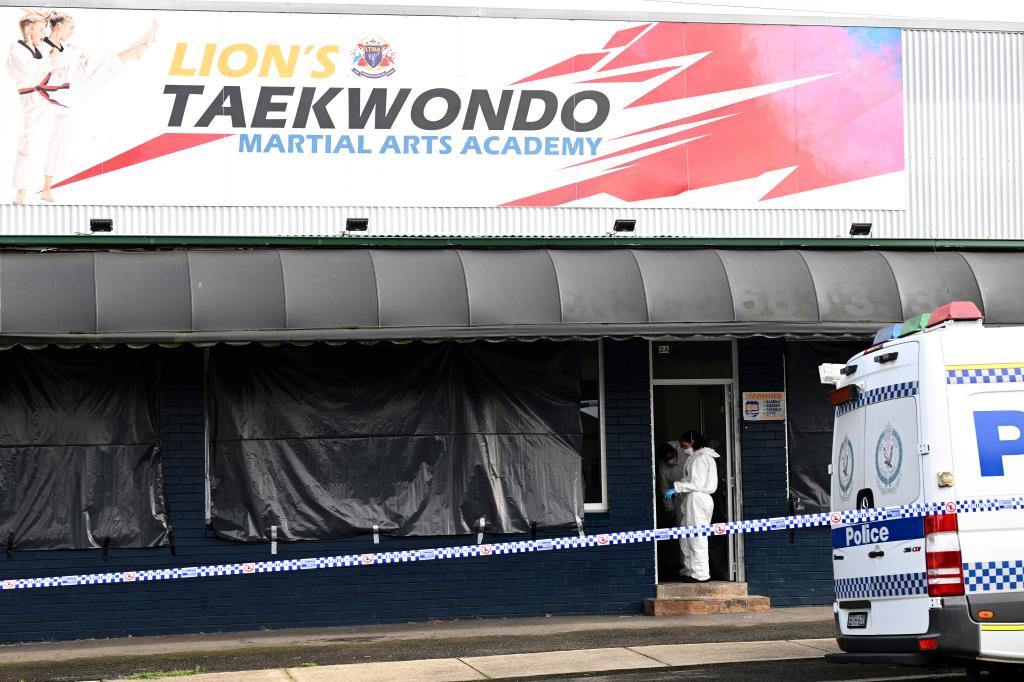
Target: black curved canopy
(282, 295)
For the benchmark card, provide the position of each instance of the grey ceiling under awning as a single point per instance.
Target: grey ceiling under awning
(271, 295)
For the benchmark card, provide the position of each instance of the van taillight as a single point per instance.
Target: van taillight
(940, 523)
(846, 394)
(942, 556)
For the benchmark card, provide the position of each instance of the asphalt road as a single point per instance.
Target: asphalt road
(812, 670)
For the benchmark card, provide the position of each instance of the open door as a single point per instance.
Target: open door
(704, 407)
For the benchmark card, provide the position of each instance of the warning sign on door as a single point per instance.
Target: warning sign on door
(764, 406)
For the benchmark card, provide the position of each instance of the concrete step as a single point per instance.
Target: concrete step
(715, 589)
(683, 606)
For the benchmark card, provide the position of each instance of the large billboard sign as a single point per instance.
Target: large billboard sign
(231, 108)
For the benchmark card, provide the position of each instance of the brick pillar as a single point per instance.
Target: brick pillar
(791, 573)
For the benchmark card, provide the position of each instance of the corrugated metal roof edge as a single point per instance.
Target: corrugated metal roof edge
(106, 241)
(537, 13)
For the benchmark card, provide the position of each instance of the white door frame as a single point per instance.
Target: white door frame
(734, 479)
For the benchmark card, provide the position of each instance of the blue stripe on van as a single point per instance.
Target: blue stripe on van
(882, 586)
(994, 576)
(878, 532)
(985, 375)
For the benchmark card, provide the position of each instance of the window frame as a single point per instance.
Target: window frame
(602, 506)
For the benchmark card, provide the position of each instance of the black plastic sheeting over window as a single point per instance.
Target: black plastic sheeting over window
(328, 442)
(79, 453)
(810, 420)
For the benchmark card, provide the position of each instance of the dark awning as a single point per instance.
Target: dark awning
(269, 295)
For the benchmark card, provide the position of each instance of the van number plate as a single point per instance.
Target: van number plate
(857, 620)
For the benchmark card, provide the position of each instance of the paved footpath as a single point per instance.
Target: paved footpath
(573, 662)
(459, 650)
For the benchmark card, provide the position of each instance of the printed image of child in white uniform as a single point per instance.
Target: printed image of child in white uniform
(30, 66)
(65, 76)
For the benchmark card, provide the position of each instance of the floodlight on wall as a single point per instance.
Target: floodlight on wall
(860, 229)
(101, 225)
(357, 224)
(624, 225)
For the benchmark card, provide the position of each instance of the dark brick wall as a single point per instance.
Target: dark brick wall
(792, 569)
(607, 580)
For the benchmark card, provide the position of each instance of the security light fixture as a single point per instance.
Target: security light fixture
(860, 229)
(101, 225)
(623, 225)
(357, 224)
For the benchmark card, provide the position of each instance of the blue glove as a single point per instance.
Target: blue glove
(669, 493)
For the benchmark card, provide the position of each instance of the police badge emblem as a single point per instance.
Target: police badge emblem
(846, 464)
(889, 459)
(373, 58)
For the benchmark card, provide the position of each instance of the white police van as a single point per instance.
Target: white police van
(933, 412)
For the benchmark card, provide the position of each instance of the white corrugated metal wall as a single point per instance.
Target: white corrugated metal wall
(964, 95)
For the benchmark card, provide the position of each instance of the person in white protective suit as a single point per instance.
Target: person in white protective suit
(30, 66)
(83, 74)
(699, 481)
(670, 463)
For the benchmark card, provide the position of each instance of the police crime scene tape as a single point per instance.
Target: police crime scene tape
(580, 541)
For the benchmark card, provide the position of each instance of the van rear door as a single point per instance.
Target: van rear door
(879, 567)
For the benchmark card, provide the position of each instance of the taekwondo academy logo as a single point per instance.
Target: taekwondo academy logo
(845, 468)
(889, 459)
(373, 58)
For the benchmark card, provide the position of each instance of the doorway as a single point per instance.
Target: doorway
(703, 404)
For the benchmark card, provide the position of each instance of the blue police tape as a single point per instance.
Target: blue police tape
(522, 547)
